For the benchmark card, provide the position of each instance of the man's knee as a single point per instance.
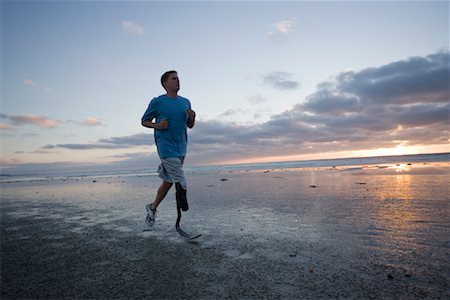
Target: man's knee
(166, 185)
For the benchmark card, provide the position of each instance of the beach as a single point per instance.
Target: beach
(350, 232)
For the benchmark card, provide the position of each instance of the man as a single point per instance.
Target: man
(172, 114)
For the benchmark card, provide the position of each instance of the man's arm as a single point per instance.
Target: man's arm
(191, 118)
(158, 126)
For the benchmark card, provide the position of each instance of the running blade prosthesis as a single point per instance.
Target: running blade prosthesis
(182, 205)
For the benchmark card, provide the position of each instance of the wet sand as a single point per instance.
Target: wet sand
(349, 232)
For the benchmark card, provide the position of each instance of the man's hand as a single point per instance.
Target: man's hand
(191, 118)
(162, 125)
(191, 114)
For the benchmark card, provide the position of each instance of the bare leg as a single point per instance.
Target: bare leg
(162, 192)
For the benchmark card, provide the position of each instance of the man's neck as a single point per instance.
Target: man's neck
(173, 95)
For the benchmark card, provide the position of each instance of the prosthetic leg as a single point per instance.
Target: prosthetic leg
(182, 205)
(181, 197)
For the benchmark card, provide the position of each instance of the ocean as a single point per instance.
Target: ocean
(380, 160)
(357, 161)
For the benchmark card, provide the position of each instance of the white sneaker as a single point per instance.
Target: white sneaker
(151, 215)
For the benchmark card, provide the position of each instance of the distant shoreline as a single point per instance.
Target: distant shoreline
(427, 157)
(353, 161)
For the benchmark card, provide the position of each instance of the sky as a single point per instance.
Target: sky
(269, 81)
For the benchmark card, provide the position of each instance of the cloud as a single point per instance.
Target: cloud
(132, 27)
(29, 82)
(123, 142)
(36, 120)
(419, 79)
(283, 27)
(91, 121)
(280, 80)
(44, 151)
(5, 127)
(400, 84)
(132, 155)
(140, 139)
(32, 84)
(85, 146)
(256, 98)
(233, 112)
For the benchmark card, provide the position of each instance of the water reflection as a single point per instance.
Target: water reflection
(408, 212)
(396, 187)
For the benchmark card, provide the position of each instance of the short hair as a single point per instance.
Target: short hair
(165, 76)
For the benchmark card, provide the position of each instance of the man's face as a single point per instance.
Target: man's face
(173, 83)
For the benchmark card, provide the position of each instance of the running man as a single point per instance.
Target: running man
(172, 115)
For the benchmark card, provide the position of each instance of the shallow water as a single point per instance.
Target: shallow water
(370, 223)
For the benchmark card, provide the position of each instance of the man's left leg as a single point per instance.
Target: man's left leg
(180, 185)
(172, 168)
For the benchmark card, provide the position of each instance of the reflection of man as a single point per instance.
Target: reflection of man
(173, 115)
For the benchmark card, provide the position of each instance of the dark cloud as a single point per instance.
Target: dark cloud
(410, 93)
(421, 114)
(123, 142)
(417, 80)
(280, 80)
(132, 140)
(87, 146)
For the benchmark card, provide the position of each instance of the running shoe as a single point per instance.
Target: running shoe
(151, 215)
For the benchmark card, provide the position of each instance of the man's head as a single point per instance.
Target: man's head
(170, 81)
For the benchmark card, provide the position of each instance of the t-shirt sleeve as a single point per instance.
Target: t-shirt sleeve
(188, 104)
(151, 111)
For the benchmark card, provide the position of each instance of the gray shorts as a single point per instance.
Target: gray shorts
(171, 170)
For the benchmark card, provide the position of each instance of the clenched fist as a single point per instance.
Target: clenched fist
(162, 125)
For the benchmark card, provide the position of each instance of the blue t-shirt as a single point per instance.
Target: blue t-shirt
(171, 142)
